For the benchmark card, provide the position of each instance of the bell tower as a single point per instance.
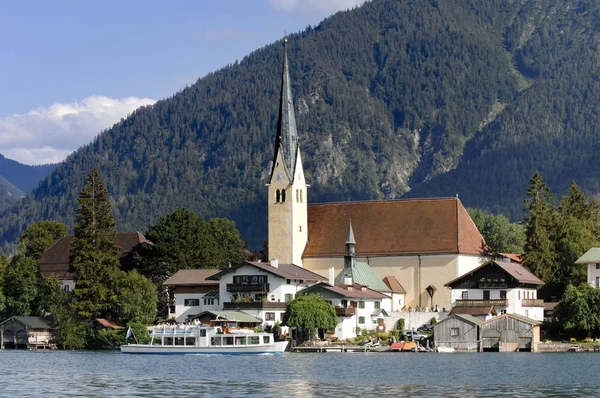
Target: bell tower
(287, 187)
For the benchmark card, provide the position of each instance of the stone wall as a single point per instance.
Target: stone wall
(412, 319)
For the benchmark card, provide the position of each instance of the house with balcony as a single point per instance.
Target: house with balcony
(356, 306)
(263, 289)
(591, 260)
(193, 293)
(508, 287)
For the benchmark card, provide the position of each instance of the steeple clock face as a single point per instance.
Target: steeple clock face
(279, 176)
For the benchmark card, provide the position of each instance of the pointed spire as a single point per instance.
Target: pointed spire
(286, 140)
(350, 235)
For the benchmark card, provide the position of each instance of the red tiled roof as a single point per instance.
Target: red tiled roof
(288, 271)
(349, 291)
(393, 227)
(517, 271)
(515, 257)
(394, 285)
(190, 277)
(55, 260)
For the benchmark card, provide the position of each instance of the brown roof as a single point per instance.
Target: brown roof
(191, 277)
(550, 306)
(475, 311)
(514, 257)
(517, 271)
(393, 227)
(349, 291)
(394, 285)
(288, 271)
(55, 260)
(106, 324)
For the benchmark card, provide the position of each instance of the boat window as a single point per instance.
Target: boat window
(179, 340)
(240, 340)
(228, 340)
(157, 341)
(168, 341)
(215, 340)
(266, 339)
(190, 341)
(253, 340)
(202, 332)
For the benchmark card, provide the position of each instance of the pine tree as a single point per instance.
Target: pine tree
(94, 256)
(540, 256)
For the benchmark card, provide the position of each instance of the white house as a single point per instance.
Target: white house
(356, 306)
(508, 287)
(193, 292)
(263, 289)
(591, 259)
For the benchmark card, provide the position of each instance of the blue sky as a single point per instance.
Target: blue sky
(70, 68)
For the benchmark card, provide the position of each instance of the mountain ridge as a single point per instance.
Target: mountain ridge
(421, 98)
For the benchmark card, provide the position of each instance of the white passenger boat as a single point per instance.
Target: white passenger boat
(199, 339)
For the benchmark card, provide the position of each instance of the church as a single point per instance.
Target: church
(421, 243)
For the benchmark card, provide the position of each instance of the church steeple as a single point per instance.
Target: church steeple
(286, 140)
(349, 257)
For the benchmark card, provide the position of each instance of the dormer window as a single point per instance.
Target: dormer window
(350, 288)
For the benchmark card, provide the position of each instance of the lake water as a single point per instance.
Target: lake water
(60, 373)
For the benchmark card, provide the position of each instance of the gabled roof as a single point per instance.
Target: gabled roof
(287, 271)
(346, 291)
(238, 316)
(106, 324)
(33, 322)
(512, 256)
(192, 277)
(474, 311)
(55, 260)
(590, 257)
(464, 317)
(515, 316)
(379, 311)
(517, 271)
(364, 275)
(393, 227)
(394, 285)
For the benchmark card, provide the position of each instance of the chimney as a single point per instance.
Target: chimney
(274, 263)
(331, 276)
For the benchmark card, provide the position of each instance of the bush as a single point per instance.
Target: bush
(432, 321)
(400, 325)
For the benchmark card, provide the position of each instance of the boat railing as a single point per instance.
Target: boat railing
(174, 330)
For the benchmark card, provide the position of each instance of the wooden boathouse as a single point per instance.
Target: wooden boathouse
(509, 333)
(29, 332)
(458, 331)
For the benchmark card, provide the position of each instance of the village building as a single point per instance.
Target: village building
(507, 286)
(55, 260)
(591, 259)
(458, 331)
(26, 332)
(193, 293)
(422, 243)
(262, 289)
(509, 333)
(227, 320)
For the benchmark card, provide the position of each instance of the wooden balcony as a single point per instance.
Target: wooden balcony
(482, 303)
(345, 311)
(257, 305)
(532, 303)
(256, 287)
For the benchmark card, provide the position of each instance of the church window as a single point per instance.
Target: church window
(300, 228)
(283, 196)
(301, 196)
(297, 196)
(277, 196)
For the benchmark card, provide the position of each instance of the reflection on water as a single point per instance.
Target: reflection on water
(308, 375)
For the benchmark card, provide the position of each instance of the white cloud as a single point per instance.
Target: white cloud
(48, 135)
(327, 6)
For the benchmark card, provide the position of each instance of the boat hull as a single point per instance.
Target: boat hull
(276, 348)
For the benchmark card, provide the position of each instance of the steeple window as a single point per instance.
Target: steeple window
(277, 196)
(297, 196)
(301, 200)
(283, 196)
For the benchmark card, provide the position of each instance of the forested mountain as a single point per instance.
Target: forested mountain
(8, 193)
(431, 97)
(23, 176)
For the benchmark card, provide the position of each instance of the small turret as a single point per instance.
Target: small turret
(349, 257)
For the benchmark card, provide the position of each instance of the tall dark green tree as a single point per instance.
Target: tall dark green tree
(310, 312)
(22, 287)
(540, 252)
(230, 248)
(94, 256)
(40, 236)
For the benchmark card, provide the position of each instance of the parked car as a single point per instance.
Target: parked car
(414, 335)
(426, 327)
